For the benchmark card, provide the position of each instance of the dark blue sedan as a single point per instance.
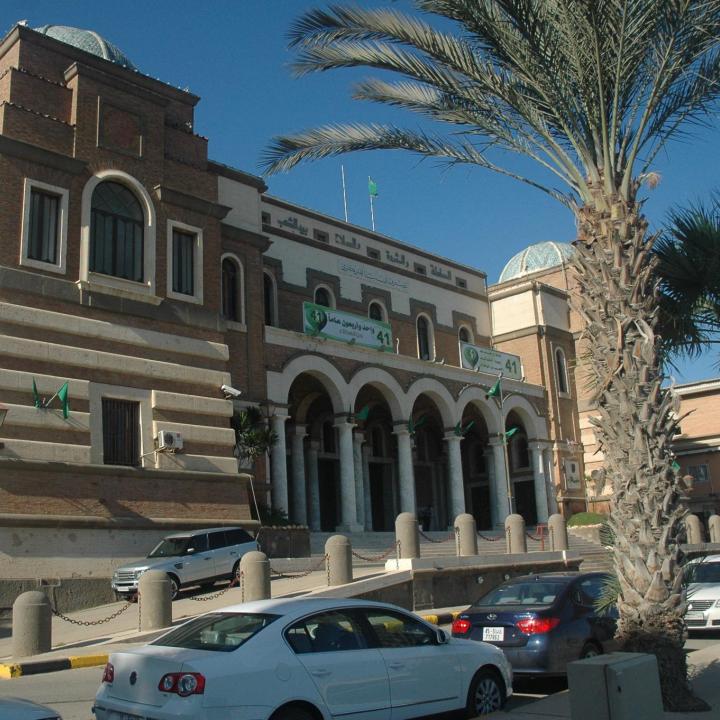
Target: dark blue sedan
(541, 622)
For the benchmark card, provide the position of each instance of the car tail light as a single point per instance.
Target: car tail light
(461, 626)
(537, 626)
(182, 684)
(108, 674)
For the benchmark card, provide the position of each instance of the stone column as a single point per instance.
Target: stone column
(500, 481)
(539, 481)
(348, 504)
(367, 500)
(358, 440)
(278, 464)
(297, 460)
(489, 455)
(455, 475)
(406, 471)
(314, 482)
(551, 489)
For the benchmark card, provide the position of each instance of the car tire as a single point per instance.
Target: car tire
(174, 587)
(590, 649)
(292, 713)
(235, 571)
(487, 693)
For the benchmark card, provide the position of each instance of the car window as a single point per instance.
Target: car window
(217, 540)
(702, 572)
(237, 537)
(221, 632)
(326, 632)
(169, 547)
(532, 592)
(199, 543)
(394, 630)
(590, 590)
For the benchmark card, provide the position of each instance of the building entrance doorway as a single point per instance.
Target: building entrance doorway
(524, 491)
(328, 480)
(381, 497)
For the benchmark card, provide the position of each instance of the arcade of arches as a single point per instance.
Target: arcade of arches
(352, 455)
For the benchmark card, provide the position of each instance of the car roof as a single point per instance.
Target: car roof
(705, 559)
(554, 576)
(190, 533)
(297, 607)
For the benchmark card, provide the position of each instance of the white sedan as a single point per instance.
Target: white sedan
(19, 709)
(304, 659)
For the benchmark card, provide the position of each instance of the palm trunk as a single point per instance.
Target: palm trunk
(635, 427)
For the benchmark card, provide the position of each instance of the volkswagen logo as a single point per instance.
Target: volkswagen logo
(492, 616)
(133, 677)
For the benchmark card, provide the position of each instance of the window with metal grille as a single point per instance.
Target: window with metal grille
(121, 432)
(183, 262)
(423, 338)
(44, 227)
(231, 290)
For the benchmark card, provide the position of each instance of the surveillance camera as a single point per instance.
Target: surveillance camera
(231, 391)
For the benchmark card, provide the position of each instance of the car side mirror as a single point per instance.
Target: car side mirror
(441, 637)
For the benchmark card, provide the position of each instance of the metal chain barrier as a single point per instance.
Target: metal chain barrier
(374, 558)
(451, 536)
(489, 538)
(304, 573)
(235, 582)
(90, 623)
(540, 537)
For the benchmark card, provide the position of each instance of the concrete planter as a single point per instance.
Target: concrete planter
(285, 541)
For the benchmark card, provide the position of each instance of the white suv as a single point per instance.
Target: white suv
(199, 557)
(702, 578)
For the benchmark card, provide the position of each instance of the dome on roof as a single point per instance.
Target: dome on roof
(536, 257)
(88, 41)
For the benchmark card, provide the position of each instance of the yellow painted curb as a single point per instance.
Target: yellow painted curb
(431, 619)
(83, 661)
(10, 671)
(456, 613)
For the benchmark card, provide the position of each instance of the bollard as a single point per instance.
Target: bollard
(516, 542)
(407, 536)
(255, 576)
(31, 624)
(339, 560)
(558, 532)
(693, 527)
(155, 601)
(714, 528)
(466, 533)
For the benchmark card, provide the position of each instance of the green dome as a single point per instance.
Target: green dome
(540, 256)
(88, 41)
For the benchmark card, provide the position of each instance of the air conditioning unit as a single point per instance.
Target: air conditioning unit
(168, 440)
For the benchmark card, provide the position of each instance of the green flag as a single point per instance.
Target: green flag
(511, 431)
(36, 395)
(62, 394)
(372, 188)
(675, 466)
(363, 413)
(494, 391)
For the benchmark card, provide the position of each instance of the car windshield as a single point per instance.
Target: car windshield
(219, 632)
(170, 547)
(703, 573)
(532, 592)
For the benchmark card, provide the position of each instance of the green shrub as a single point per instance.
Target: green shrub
(586, 518)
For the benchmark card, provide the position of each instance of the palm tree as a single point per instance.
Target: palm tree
(688, 269)
(591, 90)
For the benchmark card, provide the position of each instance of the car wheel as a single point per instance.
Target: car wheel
(292, 713)
(590, 649)
(174, 587)
(487, 693)
(235, 571)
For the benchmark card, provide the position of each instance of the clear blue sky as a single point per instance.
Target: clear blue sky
(234, 55)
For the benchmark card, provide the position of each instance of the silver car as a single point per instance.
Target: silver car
(702, 578)
(198, 557)
(19, 709)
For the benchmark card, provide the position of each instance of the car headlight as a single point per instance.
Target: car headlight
(138, 573)
(717, 604)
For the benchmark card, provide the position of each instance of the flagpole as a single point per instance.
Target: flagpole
(372, 209)
(342, 173)
(508, 482)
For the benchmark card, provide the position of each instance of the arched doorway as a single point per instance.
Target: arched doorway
(476, 471)
(520, 468)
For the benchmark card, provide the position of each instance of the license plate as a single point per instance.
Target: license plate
(694, 616)
(493, 634)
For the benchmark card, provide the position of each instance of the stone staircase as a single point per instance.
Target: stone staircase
(374, 548)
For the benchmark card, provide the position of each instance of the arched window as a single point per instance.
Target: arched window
(424, 338)
(561, 367)
(328, 437)
(377, 442)
(117, 226)
(269, 298)
(464, 335)
(376, 311)
(519, 452)
(232, 290)
(323, 297)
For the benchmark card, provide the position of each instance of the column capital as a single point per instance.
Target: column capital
(359, 437)
(314, 445)
(299, 430)
(452, 436)
(342, 423)
(495, 442)
(539, 444)
(401, 428)
(280, 416)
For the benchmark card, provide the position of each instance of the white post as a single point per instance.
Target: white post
(499, 480)
(455, 472)
(312, 470)
(358, 440)
(405, 470)
(348, 504)
(539, 481)
(297, 460)
(278, 460)
(367, 500)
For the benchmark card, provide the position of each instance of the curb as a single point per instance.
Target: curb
(442, 619)
(16, 670)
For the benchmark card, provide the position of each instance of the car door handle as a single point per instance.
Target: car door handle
(206, 559)
(320, 672)
(232, 552)
(396, 665)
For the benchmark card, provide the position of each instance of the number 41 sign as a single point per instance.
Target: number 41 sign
(487, 360)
